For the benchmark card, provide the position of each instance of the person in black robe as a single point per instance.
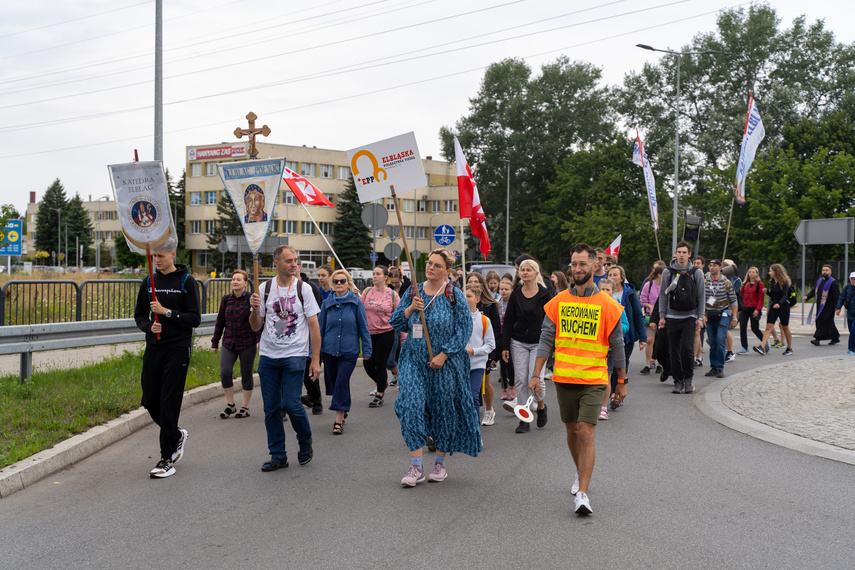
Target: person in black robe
(827, 291)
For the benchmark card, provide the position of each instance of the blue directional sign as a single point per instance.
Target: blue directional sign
(444, 235)
(374, 257)
(10, 243)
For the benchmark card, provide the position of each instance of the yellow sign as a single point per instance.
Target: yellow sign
(578, 320)
(13, 236)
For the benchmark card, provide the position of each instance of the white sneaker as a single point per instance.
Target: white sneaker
(509, 405)
(373, 392)
(575, 488)
(179, 453)
(164, 469)
(583, 505)
(489, 418)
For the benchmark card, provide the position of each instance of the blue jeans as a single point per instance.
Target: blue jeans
(281, 386)
(476, 379)
(717, 336)
(337, 379)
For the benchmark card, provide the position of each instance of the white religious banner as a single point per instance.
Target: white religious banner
(253, 186)
(391, 162)
(142, 200)
(753, 135)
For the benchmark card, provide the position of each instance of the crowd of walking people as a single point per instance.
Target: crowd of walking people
(445, 343)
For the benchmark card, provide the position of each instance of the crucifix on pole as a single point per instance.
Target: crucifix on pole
(251, 133)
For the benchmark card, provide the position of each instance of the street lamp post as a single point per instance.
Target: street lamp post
(508, 214)
(679, 54)
(58, 234)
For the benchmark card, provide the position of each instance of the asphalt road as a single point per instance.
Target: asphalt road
(671, 489)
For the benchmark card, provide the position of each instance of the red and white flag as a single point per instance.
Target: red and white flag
(614, 249)
(470, 202)
(305, 191)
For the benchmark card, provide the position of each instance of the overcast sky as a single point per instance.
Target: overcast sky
(77, 76)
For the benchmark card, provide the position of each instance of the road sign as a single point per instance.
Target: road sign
(831, 231)
(374, 257)
(374, 216)
(11, 243)
(393, 232)
(456, 255)
(392, 251)
(444, 235)
(416, 254)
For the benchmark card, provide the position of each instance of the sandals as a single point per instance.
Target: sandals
(275, 464)
(243, 413)
(337, 429)
(230, 409)
(377, 402)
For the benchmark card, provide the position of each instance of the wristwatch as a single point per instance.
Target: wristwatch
(168, 313)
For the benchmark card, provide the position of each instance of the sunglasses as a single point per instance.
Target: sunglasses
(339, 281)
(607, 264)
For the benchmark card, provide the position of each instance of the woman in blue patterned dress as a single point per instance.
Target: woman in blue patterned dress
(434, 398)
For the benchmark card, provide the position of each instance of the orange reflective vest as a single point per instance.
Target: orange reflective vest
(582, 329)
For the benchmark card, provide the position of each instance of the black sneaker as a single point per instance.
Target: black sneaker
(788, 352)
(759, 350)
(719, 373)
(163, 469)
(710, 373)
(659, 369)
(523, 427)
(663, 377)
(376, 402)
(541, 417)
(815, 342)
(833, 342)
(306, 401)
(645, 370)
(317, 409)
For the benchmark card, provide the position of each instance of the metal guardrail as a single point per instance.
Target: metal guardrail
(27, 339)
(65, 301)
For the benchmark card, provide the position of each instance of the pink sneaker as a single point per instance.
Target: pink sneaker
(604, 414)
(414, 475)
(505, 394)
(438, 474)
(512, 392)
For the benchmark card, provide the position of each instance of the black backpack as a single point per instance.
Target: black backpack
(684, 297)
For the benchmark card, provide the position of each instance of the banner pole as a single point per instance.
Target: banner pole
(412, 269)
(727, 234)
(255, 273)
(322, 235)
(463, 252)
(656, 235)
(148, 256)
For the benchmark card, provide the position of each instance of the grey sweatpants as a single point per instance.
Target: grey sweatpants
(523, 356)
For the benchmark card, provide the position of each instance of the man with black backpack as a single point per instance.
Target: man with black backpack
(681, 312)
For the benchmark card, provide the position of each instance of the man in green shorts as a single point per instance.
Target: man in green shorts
(582, 324)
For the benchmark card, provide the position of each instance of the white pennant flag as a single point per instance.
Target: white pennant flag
(142, 199)
(253, 186)
(751, 139)
(639, 157)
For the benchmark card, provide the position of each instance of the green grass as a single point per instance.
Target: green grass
(57, 404)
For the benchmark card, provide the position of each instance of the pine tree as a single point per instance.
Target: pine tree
(176, 203)
(352, 239)
(79, 229)
(48, 218)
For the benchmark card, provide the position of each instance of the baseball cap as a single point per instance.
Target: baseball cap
(851, 275)
(713, 261)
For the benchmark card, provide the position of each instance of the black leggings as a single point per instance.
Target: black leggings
(746, 313)
(228, 357)
(375, 367)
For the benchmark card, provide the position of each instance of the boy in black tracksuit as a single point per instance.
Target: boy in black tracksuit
(166, 358)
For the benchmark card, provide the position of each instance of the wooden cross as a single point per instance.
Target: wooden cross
(251, 132)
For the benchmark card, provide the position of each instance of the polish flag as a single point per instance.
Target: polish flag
(614, 249)
(470, 202)
(305, 191)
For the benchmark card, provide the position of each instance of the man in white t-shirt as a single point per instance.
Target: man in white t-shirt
(287, 311)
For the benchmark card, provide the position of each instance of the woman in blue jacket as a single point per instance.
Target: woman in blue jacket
(847, 301)
(343, 325)
(627, 296)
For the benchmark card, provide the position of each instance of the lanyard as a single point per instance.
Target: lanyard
(442, 289)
